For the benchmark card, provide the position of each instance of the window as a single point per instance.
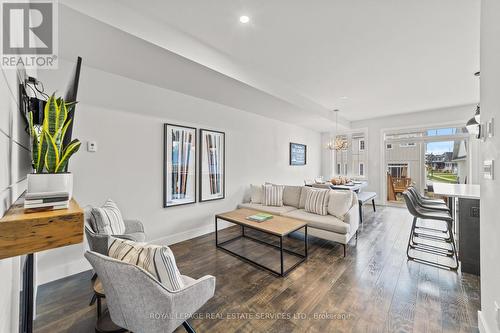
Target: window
(338, 169)
(345, 169)
(388, 146)
(407, 145)
(361, 169)
(442, 131)
(398, 170)
(361, 145)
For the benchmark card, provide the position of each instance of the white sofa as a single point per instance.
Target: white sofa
(322, 226)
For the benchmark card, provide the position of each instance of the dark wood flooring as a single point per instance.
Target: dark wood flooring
(373, 289)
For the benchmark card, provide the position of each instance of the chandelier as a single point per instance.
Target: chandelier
(337, 142)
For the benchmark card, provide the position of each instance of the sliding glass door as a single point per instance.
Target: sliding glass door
(445, 162)
(423, 157)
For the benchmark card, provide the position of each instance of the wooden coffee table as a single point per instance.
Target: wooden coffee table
(278, 226)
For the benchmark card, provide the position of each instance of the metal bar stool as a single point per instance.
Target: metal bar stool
(418, 228)
(437, 204)
(416, 233)
(431, 204)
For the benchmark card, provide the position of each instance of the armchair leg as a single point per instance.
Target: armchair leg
(373, 203)
(188, 327)
(92, 301)
(360, 205)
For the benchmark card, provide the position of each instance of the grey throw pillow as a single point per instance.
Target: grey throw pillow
(107, 219)
(256, 194)
(291, 196)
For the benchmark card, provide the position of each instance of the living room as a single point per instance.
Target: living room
(320, 119)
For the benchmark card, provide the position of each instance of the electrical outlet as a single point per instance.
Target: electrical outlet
(92, 146)
(474, 212)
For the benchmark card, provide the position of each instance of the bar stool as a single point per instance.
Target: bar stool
(416, 233)
(426, 202)
(432, 204)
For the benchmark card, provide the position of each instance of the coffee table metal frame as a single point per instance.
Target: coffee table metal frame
(280, 273)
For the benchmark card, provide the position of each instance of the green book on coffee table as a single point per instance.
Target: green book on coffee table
(260, 217)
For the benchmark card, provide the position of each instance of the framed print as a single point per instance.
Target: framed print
(212, 165)
(298, 154)
(179, 165)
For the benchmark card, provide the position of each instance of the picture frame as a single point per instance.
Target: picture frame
(212, 157)
(298, 154)
(179, 165)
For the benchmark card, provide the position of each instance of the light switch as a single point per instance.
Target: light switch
(92, 146)
(488, 169)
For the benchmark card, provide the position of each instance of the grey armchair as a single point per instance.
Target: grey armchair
(139, 303)
(134, 230)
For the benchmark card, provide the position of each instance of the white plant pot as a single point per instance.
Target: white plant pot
(50, 182)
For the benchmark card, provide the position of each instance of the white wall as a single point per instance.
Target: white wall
(490, 189)
(128, 164)
(375, 127)
(14, 165)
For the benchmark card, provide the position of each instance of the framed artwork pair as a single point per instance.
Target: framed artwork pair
(182, 151)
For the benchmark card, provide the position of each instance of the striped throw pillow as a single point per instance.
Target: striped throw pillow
(157, 260)
(317, 201)
(107, 219)
(273, 195)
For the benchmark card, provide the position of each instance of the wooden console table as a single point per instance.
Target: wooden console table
(23, 233)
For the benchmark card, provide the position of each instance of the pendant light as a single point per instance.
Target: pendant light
(337, 143)
(473, 126)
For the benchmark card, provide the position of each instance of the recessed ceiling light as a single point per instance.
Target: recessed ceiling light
(344, 97)
(244, 19)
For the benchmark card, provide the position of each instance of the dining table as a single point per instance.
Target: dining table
(355, 186)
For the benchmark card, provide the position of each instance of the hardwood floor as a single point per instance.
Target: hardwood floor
(373, 289)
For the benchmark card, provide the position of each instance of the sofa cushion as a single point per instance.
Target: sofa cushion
(291, 195)
(323, 222)
(317, 201)
(340, 203)
(303, 196)
(158, 260)
(273, 195)
(256, 194)
(267, 209)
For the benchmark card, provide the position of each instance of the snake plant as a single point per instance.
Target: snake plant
(48, 151)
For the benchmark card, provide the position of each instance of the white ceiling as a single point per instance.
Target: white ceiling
(387, 56)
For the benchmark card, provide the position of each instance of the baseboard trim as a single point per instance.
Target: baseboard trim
(481, 323)
(186, 235)
(62, 271)
(78, 266)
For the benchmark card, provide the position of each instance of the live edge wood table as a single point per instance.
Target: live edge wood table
(278, 226)
(24, 233)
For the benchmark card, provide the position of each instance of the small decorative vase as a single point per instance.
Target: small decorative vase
(50, 182)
